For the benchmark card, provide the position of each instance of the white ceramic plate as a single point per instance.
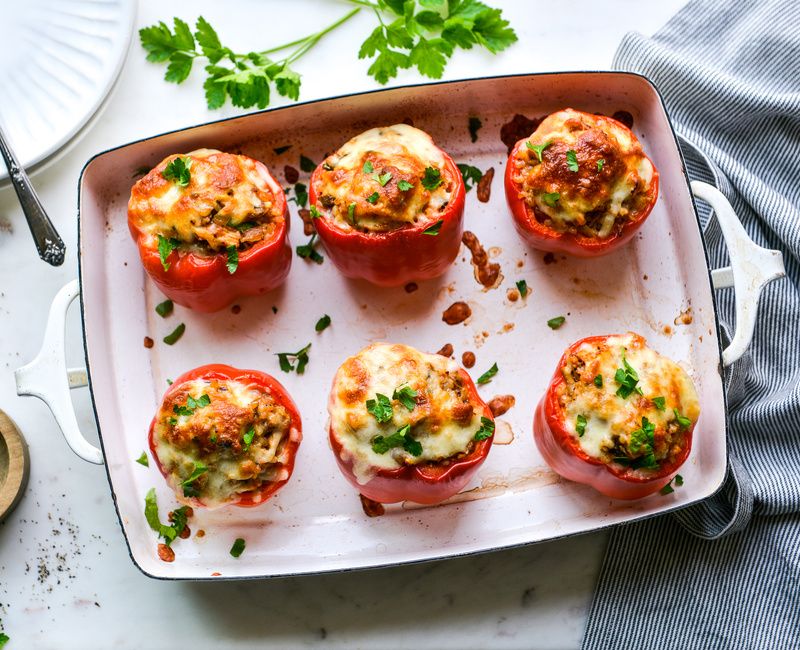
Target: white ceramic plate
(59, 60)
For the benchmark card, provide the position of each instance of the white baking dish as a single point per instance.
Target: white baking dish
(316, 522)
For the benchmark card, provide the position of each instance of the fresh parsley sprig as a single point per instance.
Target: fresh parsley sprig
(287, 360)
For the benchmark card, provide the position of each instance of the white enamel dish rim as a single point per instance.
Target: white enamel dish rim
(445, 553)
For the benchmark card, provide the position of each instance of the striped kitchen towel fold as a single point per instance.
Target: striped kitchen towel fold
(726, 573)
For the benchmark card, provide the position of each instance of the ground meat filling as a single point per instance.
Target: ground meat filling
(239, 439)
(227, 203)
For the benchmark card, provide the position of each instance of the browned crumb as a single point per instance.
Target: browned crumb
(549, 258)
(184, 534)
(446, 350)
(512, 295)
(235, 309)
(644, 277)
(500, 404)
(291, 174)
(200, 533)
(308, 222)
(507, 327)
(667, 330)
(468, 359)
(148, 342)
(520, 264)
(165, 553)
(371, 508)
(456, 313)
(485, 185)
(411, 287)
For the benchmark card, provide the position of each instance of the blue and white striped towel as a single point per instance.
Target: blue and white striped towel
(729, 71)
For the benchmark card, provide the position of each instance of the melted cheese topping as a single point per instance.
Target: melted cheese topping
(215, 436)
(229, 201)
(396, 156)
(613, 182)
(444, 420)
(611, 420)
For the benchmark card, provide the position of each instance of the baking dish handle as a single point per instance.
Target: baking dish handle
(48, 378)
(752, 267)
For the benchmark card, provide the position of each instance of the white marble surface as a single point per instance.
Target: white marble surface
(65, 577)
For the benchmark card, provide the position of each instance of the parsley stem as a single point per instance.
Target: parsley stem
(310, 41)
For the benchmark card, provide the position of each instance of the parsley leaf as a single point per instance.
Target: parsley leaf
(401, 438)
(600, 164)
(380, 408)
(404, 185)
(306, 164)
(538, 148)
(474, 125)
(307, 251)
(598, 381)
(572, 161)
(238, 547)
(287, 360)
(580, 425)
(233, 259)
(315, 213)
(165, 308)
(179, 517)
(174, 336)
(248, 437)
(405, 395)
(432, 178)
(471, 175)
(659, 402)
(486, 377)
(551, 198)
(683, 421)
(434, 229)
(300, 194)
(555, 323)
(178, 172)
(522, 287)
(190, 490)
(351, 213)
(372, 198)
(143, 460)
(165, 248)
(4, 638)
(668, 489)
(486, 430)
(383, 178)
(627, 378)
(322, 323)
(368, 168)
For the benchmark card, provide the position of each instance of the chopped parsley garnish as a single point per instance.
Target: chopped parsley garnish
(551, 198)
(245, 226)
(668, 489)
(627, 378)
(190, 490)
(248, 437)
(380, 408)
(660, 403)
(169, 533)
(287, 360)
(434, 229)
(471, 175)
(368, 168)
(315, 214)
(522, 287)
(238, 547)
(474, 125)
(4, 638)
(641, 444)
(233, 259)
(178, 172)
(600, 164)
(432, 178)
(192, 405)
(164, 309)
(143, 460)
(555, 323)
(401, 438)
(174, 336)
(279, 150)
(683, 421)
(572, 160)
(598, 381)
(538, 148)
(383, 178)
(301, 194)
(580, 425)
(405, 395)
(486, 377)
(322, 323)
(372, 198)
(351, 213)
(306, 164)
(404, 185)
(165, 247)
(486, 430)
(307, 251)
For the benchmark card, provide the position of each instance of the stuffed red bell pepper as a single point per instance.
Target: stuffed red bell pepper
(211, 227)
(224, 436)
(617, 416)
(389, 206)
(407, 426)
(580, 184)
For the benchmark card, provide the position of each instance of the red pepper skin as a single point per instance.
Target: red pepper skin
(565, 456)
(202, 282)
(427, 483)
(266, 383)
(397, 257)
(543, 238)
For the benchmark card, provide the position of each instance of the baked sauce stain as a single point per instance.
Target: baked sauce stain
(503, 433)
(684, 318)
(516, 128)
(512, 295)
(625, 117)
(488, 274)
(549, 258)
(667, 329)
(371, 508)
(291, 174)
(485, 185)
(456, 313)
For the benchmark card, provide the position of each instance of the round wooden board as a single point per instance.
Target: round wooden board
(14, 465)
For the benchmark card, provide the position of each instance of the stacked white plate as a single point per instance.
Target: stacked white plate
(59, 60)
